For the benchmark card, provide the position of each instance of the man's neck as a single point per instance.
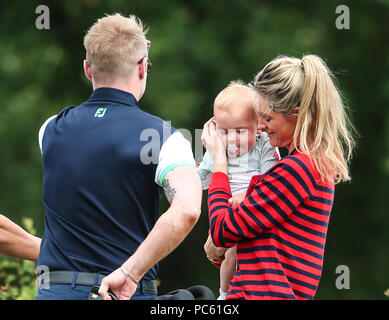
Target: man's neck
(124, 86)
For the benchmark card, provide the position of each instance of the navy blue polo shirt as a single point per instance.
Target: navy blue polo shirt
(100, 198)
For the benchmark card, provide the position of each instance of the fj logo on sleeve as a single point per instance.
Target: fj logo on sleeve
(100, 112)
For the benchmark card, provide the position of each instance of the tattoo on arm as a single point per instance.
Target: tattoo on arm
(169, 190)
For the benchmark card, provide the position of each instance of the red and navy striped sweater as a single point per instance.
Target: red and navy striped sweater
(280, 230)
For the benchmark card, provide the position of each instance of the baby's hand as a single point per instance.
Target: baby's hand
(236, 199)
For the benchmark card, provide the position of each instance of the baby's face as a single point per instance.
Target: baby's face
(237, 128)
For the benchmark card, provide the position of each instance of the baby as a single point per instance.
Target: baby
(248, 150)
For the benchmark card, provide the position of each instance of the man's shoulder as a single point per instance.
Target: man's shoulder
(153, 117)
(158, 123)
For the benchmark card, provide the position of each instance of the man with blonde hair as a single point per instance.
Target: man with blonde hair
(101, 187)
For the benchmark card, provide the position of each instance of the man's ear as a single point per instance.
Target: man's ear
(142, 69)
(87, 70)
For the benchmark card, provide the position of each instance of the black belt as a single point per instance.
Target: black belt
(89, 279)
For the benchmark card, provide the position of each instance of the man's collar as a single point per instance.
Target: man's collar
(114, 95)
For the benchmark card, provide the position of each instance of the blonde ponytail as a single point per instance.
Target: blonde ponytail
(323, 130)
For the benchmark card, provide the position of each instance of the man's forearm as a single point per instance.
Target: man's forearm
(16, 242)
(182, 187)
(169, 231)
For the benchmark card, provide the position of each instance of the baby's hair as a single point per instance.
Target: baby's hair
(236, 90)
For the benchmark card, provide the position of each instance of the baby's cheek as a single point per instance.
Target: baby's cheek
(224, 139)
(249, 141)
(244, 140)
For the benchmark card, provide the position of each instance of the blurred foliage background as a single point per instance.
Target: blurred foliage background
(198, 47)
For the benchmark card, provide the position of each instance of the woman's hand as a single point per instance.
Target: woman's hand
(214, 254)
(215, 146)
(236, 199)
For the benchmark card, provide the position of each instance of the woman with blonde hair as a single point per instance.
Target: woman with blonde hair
(280, 227)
